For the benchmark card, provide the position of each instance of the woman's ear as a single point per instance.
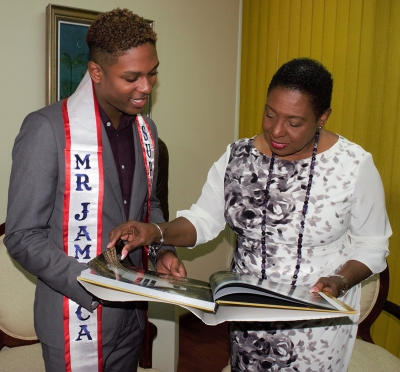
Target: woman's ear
(95, 71)
(324, 117)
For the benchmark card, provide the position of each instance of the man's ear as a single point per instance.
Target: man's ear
(324, 117)
(95, 71)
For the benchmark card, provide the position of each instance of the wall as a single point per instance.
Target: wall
(194, 101)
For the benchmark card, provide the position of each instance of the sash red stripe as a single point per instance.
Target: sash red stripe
(67, 192)
(100, 225)
(100, 337)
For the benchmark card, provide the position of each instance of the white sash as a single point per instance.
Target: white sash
(82, 226)
(147, 142)
(82, 220)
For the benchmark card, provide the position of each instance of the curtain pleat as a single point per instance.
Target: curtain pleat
(359, 42)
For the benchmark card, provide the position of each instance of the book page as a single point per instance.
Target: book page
(233, 287)
(108, 271)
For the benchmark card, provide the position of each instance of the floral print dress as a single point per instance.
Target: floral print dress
(339, 226)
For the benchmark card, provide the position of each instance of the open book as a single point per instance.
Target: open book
(228, 296)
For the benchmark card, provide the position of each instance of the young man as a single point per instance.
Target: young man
(80, 168)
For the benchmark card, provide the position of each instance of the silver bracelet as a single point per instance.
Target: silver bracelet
(153, 249)
(345, 282)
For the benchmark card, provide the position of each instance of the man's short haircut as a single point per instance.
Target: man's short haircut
(115, 32)
(309, 77)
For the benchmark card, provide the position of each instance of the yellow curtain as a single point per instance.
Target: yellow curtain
(359, 42)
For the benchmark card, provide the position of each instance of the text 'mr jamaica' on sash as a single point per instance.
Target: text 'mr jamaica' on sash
(84, 243)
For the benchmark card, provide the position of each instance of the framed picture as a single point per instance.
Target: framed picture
(67, 53)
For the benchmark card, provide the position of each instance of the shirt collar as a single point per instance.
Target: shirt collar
(124, 122)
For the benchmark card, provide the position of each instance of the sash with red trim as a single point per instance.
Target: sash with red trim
(147, 142)
(82, 222)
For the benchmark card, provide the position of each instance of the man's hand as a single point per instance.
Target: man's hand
(168, 263)
(134, 234)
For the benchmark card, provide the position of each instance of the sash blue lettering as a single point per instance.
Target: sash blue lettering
(85, 212)
(144, 133)
(82, 232)
(86, 161)
(78, 313)
(151, 169)
(148, 149)
(83, 332)
(82, 179)
(85, 251)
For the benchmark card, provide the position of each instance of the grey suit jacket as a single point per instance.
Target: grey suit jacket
(35, 216)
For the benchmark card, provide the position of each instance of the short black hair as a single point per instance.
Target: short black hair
(307, 76)
(115, 32)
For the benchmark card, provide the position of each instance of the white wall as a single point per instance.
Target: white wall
(194, 103)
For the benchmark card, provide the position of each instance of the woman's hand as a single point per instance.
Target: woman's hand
(134, 234)
(352, 271)
(333, 285)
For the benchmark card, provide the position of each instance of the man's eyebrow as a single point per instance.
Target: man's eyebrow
(139, 73)
(156, 66)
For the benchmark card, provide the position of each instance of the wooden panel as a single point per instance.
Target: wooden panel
(202, 347)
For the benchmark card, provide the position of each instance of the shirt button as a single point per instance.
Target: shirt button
(124, 201)
(108, 124)
(123, 166)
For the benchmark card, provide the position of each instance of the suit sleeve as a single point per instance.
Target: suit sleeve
(30, 223)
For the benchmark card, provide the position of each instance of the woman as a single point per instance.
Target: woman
(308, 208)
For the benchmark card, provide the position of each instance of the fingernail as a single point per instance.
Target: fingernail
(123, 255)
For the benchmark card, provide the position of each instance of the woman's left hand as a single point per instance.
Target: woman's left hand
(333, 285)
(353, 272)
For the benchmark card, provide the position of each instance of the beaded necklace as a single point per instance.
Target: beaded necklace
(267, 196)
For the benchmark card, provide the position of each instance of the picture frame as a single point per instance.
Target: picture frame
(67, 53)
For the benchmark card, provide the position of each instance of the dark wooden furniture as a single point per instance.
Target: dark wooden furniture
(381, 304)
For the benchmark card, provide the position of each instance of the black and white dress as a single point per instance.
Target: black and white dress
(346, 220)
